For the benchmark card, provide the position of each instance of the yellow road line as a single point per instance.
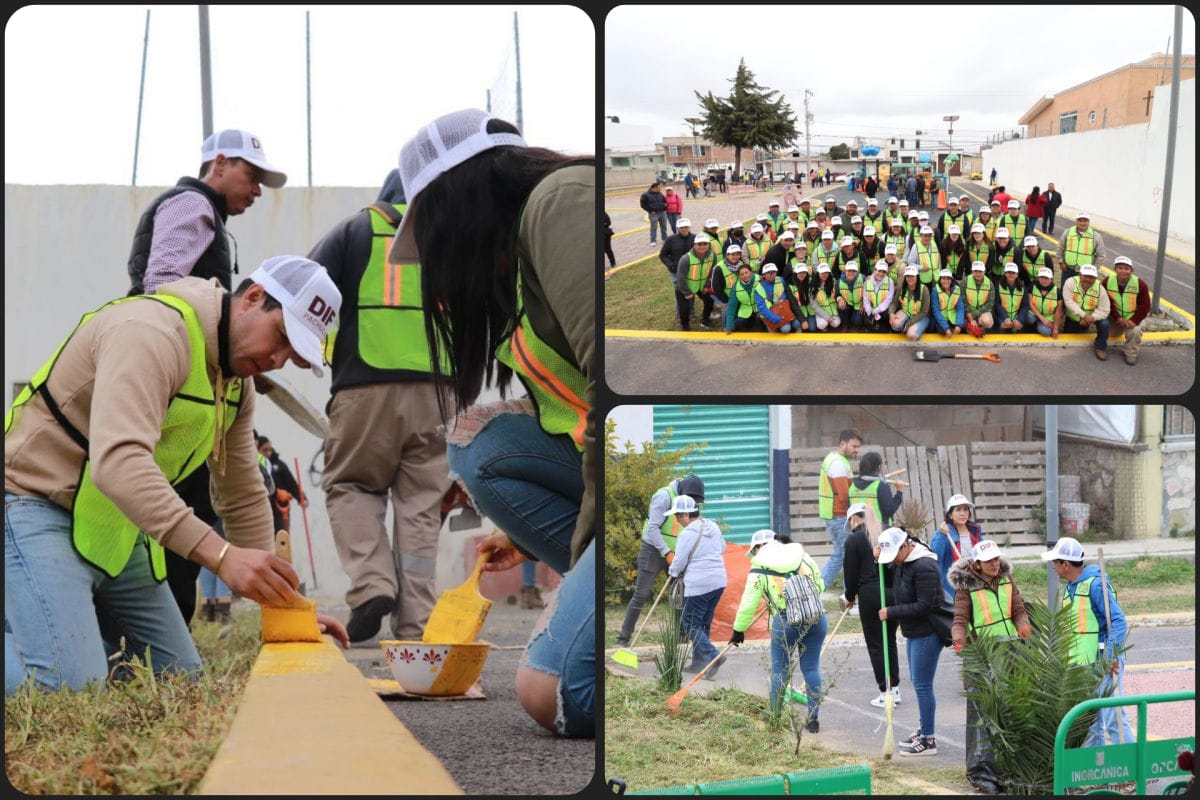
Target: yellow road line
(1161, 665)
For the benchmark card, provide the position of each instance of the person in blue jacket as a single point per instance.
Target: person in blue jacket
(947, 305)
(766, 295)
(957, 535)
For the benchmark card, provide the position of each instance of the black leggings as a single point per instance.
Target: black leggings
(868, 616)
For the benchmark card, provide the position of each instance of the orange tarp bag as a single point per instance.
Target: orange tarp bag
(737, 570)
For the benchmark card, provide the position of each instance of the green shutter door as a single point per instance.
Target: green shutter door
(735, 465)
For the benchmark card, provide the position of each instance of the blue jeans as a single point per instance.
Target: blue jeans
(1106, 721)
(672, 217)
(836, 528)
(659, 217)
(1101, 343)
(919, 328)
(923, 655)
(696, 622)
(63, 617)
(530, 484)
(784, 639)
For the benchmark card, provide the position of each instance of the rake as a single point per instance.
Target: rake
(626, 655)
(676, 699)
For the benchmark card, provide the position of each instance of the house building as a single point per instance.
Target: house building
(1121, 97)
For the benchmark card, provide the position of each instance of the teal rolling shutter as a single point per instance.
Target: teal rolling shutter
(735, 465)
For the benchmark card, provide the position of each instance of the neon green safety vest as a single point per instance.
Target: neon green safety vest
(968, 219)
(875, 222)
(1016, 226)
(868, 496)
(728, 274)
(895, 271)
(853, 295)
(825, 488)
(555, 383)
(102, 535)
(698, 269)
(391, 316)
(948, 301)
(910, 303)
(1086, 647)
(1079, 248)
(990, 226)
(1087, 300)
(770, 296)
(777, 223)
(978, 295)
(745, 298)
(875, 292)
(979, 252)
(991, 611)
(930, 260)
(1010, 297)
(953, 259)
(755, 250)
(670, 536)
(1123, 300)
(1032, 265)
(827, 302)
(1044, 300)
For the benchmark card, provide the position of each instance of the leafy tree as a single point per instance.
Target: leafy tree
(751, 116)
(631, 475)
(839, 151)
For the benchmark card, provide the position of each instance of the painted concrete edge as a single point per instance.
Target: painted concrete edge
(963, 340)
(308, 723)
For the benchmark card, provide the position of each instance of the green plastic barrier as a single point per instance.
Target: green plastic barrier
(761, 785)
(834, 780)
(1118, 763)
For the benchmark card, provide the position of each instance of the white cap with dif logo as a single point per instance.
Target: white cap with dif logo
(245, 145)
(310, 302)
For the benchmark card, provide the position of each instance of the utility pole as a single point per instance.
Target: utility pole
(694, 121)
(807, 139)
(1168, 180)
(206, 122)
(952, 118)
(517, 48)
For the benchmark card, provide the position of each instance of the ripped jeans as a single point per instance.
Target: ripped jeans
(530, 484)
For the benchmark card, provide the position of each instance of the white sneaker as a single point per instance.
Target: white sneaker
(880, 701)
(854, 610)
(896, 695)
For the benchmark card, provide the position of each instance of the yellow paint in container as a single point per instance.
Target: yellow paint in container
(427, 668)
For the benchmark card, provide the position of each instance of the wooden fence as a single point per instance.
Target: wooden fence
(1005, 480)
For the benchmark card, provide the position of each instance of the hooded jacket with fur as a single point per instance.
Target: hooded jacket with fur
(966, 580)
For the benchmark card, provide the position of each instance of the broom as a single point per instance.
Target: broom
(626, 656)
(676, 699)
(1120, 711)
(889, 702)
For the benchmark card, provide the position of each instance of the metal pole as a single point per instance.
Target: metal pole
(517, 46)
(205, 75)
(137, 136)
(308, 98)
(1051, 502)
(807, 138)
(1167, 181)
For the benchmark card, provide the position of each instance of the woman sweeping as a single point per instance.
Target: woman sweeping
(516, 298)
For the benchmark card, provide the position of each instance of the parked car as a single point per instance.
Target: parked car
(841, 177)
(975, 176)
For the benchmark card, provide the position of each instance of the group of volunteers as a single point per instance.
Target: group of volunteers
(887, 267)
(891, 578)
(146, 411)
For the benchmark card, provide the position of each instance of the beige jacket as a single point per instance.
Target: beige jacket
(113, 382)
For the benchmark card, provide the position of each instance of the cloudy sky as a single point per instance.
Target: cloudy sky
(71, 84)
(986, 64)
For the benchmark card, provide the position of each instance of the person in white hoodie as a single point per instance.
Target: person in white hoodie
(700, 564)
(771, 562)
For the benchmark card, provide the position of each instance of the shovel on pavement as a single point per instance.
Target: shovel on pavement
(933, 355)
(626, 655)
(459, 613)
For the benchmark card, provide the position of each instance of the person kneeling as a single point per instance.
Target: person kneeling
(824, 299)
(773, 301)
(1011, 302)
(910, 308)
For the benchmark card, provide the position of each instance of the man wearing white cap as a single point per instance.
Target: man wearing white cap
(1033, 258)
(1045, 310)
(953, 215)
(1004, 250)
(847, 252)
(776, 219)
(712, 227)
(806, 213)
(826, 250)
(143, 391)
(964, 206)
(877, 295)
(756, 247)
(925, 256)
(979, 298)
(1130, 301)
(676, 246)
(873, 216)
(783, 251)
(989, 221)
(1087, 306)
(1080, 244)
(1016, 222)
(989, 602)
(183, 233)
(1099, 634)
(691, 275)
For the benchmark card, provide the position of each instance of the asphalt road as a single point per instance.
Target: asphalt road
(490, 747)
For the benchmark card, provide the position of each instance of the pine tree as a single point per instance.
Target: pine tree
(752, 116)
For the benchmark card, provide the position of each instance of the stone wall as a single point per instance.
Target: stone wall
(1179, 490)
(1110, 482)
(928, 425)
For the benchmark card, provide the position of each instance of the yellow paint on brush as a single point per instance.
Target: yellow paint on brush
(460, 612)
(297, 623)
(308, 723)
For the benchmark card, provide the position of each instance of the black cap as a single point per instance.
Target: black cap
(692, 485)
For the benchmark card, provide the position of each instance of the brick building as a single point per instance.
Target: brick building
(1117, 98)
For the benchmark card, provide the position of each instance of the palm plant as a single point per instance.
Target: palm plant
(1023, 688)
(913, 516)
(673, 653)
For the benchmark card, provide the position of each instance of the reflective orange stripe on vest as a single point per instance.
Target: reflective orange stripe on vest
(538, 371)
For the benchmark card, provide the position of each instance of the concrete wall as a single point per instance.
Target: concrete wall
(1179, 489)
(65, 251)
(1116, 172)
(818, 426)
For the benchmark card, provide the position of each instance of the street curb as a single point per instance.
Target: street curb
(309, 723)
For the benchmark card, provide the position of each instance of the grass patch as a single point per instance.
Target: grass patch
(144, 736)
(719, 737)
(640, 297)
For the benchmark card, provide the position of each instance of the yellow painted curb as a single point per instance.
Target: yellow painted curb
(928, 341)
(308, 723)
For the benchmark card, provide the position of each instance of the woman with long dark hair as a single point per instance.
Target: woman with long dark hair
(514, 296)
(910, 307)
